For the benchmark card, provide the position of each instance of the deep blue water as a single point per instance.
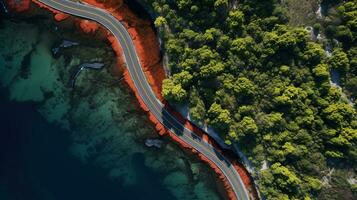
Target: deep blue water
(35, 163)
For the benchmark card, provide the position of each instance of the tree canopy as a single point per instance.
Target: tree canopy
(264, 85)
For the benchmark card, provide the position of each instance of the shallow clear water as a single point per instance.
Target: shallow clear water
(86, 142)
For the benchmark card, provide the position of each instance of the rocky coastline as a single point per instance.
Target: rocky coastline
(145, 41)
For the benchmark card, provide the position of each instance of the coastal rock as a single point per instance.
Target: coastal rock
(145, 41)
(3, 8)
(82, 67)
(18, 6)
(61, 16)
(195, 170)
(154, 143)
(64, 44)
(88, 27)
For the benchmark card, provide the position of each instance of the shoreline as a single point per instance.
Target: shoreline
(152, 68)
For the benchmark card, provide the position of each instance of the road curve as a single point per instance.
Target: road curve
(148, 96)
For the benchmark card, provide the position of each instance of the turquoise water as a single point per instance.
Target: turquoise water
(86, 142)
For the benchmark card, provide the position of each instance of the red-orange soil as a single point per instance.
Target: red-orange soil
(147, 48)
(18, 6)
(145, 41)
(88, 27)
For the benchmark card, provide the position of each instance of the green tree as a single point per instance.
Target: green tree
(339, 61)
(321, 72)
(266, 85)
(196, 106)
(245, 128)
(289, 95)
(352, 56)
(235, 20)
(184, 78)
(173, 92)
(346, 138)
(244, 49)
(174, 48)
(343, 34)
(244, 87)
(219, 117)
(351, 86)
(282, 14)
(212, 69)
(339, 114)
(314, 53)
(248, 126)
(285, 178)
(220, 3)
(160, 21)
(182, 4)
(313, 183)
(271, 121)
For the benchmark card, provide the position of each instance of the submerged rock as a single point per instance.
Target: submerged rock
(195, 170)
(64, 44)
(154, 143)
(93, 65)
(3, 8)
(81, 68)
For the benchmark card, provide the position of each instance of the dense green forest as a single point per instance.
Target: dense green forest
(263, 84)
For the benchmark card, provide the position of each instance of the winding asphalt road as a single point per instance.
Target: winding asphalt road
(138, 77)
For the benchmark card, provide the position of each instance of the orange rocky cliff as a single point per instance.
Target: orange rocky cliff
(145, 41)
(147, 48)
(18, 6)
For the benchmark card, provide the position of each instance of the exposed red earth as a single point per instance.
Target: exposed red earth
(88, 27)
(147, 48)
(19, 5)
(145, 41)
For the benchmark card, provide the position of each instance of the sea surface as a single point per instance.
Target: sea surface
(67, 140)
